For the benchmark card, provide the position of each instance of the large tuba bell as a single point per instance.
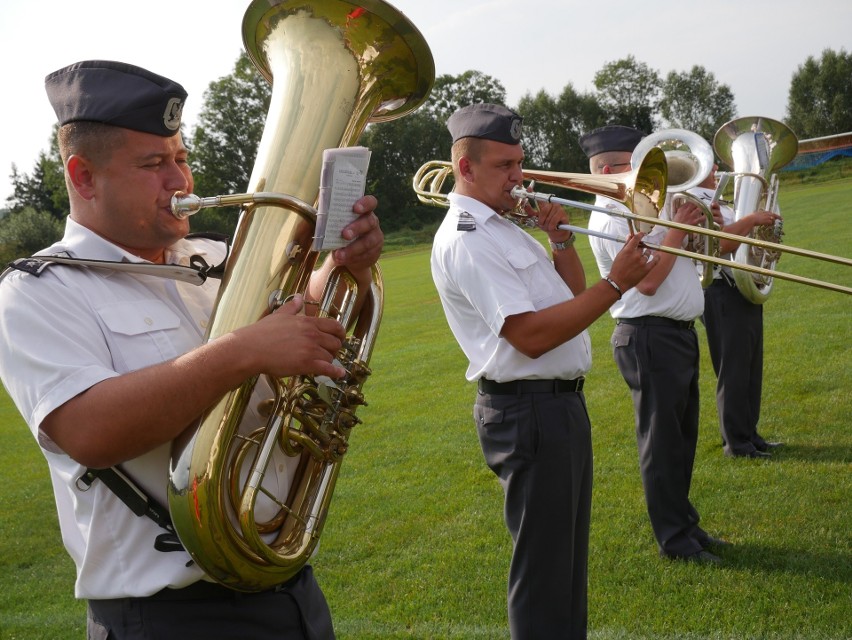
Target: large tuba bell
(690, 162)
(336, 66)
(756, 148)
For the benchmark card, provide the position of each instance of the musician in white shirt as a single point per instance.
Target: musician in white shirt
(735, 337)
(520, 316)
(655, 346)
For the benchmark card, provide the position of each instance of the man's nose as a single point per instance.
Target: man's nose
(177, 178)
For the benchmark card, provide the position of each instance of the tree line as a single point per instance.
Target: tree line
(627, 91)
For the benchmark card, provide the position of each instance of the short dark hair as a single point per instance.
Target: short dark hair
(469, 147)
(95, 141)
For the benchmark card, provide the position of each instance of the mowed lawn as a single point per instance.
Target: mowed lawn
(415, 545)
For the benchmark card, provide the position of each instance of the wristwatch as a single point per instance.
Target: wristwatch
(561, 246)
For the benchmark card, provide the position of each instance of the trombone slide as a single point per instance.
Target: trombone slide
(520, 192)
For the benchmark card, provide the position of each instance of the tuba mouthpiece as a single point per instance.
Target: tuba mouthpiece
(185, 204)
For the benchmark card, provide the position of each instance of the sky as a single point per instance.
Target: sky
(753, 46)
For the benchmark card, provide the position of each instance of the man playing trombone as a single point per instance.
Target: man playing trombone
(655, 347)
(521, 320)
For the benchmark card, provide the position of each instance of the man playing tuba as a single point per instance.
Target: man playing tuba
(107, 365)
(735, 337)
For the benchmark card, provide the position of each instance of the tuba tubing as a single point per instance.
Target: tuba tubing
(334, 66)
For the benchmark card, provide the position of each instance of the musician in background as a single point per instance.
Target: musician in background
(107, 367)
(655, 347)
(735, 336)
(520, 316)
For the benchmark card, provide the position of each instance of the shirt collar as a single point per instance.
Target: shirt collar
(480, 212)
(81, 242)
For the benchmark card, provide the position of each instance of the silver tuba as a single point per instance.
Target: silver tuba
(690, 162)
(335, 66)
(756, 148)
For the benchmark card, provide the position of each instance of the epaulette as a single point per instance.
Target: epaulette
(466, 222)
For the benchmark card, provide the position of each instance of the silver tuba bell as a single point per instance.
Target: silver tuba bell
(756, 148)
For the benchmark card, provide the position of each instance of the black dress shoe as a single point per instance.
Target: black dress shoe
(762, 445)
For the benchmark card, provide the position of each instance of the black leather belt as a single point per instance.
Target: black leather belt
(516, 387)
(658, 321)
(203, 590)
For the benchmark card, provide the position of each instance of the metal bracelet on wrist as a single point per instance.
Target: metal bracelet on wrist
(561, 246)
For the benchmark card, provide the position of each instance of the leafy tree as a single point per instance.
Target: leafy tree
(225, 140)
(450, 93)
(694, 101)
(820, 98)
(399, 148)
(43, 189)
(27, 231)
(552, 127)
(629, 92)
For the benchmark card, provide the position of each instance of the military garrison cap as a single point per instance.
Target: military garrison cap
(487, 121)
(116, 93)
(613, 137)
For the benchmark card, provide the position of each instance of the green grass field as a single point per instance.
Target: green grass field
(415, 545)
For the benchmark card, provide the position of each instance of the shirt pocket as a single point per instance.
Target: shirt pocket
(139, 333)
(529, 268)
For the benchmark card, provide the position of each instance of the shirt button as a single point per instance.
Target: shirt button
(149, 321)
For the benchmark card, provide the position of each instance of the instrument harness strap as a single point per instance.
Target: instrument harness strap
(196, 274)
(137, 501)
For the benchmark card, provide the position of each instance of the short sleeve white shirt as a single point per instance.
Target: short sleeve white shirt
(487, 274)
(679, 297)
(64, 332)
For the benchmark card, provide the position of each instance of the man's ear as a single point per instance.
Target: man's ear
(466, 169)
(80, 174)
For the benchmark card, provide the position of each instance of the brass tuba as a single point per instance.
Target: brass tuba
(335, 66)
(756, 148)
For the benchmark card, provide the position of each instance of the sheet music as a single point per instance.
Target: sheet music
(342, 182)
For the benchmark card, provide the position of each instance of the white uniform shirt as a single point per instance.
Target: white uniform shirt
(488, 274)
(679, 297)
(74, 327)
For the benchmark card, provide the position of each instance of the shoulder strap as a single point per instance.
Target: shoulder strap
(35, 265)
(137, 500)
(196, 274)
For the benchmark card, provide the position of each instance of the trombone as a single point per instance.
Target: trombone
(521, 193)
(643, 188)
(643, 191)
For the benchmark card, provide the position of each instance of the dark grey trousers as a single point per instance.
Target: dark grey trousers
(735, 341)
(539, 446)
(296, 612)
(660, 365)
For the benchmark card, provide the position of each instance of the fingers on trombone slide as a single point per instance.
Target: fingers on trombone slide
(634, 242)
